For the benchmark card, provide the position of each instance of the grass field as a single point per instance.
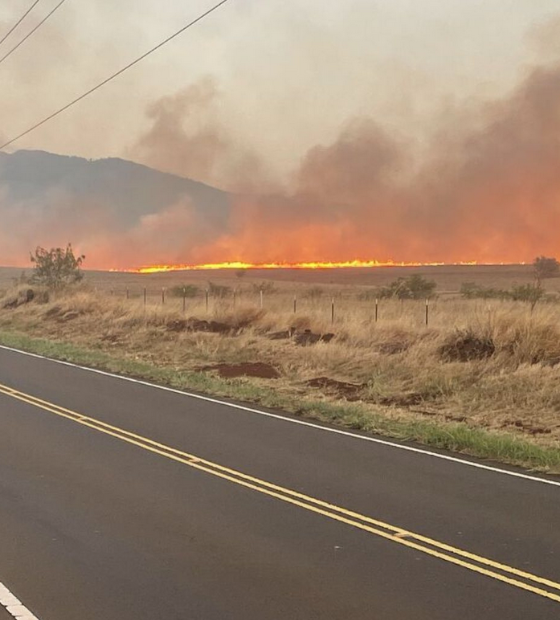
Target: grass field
(343, 281)
(483, 377)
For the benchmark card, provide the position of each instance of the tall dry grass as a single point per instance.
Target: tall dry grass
(491, 364)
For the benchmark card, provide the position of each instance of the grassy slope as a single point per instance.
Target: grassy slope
(457, 437)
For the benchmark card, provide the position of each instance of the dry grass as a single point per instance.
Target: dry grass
(491, 365)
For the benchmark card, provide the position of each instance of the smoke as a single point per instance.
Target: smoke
(480, 182)
(186, 138)
(487, 190)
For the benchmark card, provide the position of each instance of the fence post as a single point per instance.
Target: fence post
(206, 300)
(332, 310)
(427, 312)
(145, 297)
(163, 295)
(234, 298)
(295, 304)
(376, 310)
(262, 299)
(184, 299)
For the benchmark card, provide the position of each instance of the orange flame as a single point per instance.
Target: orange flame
(287, 265)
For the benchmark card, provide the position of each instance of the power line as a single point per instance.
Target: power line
(115, 75)
(19, 21)
(29, 34)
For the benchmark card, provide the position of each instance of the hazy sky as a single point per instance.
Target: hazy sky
(286, 75)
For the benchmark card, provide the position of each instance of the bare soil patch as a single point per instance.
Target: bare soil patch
(245, 369)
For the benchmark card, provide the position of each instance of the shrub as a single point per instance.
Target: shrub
(218, 290)
(413, 287)
(186, 290)
(466, 346)
(471, 290)
(314, 293)
(266, 287)
(546, 267)
(527, 292)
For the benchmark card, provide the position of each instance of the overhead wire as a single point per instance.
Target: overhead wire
(19, 21)
(32, 32)
(114, 75)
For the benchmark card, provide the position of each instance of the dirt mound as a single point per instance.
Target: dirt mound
(349, 391)
(20, 298)
(307, 337)
(62, 315)
(466, 346)
(245, 369)
(528, 428)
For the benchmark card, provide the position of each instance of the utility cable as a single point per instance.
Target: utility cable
(29, 34)
(19, 21)
(114, 75)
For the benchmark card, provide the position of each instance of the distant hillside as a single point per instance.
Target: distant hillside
(130, 190)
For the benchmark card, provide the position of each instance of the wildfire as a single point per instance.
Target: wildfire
(351, 264)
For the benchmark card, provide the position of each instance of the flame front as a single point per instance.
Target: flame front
(357, 263)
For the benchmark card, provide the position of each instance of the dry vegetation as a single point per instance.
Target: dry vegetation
(492, 365)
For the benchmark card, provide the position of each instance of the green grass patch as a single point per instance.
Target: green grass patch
(456, 437)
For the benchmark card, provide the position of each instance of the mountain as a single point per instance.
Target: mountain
(129, 189)
(120, 214)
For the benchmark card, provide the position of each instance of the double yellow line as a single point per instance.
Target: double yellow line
(514, 577)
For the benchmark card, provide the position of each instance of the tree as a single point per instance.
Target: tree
(57, 267)
(546, 267)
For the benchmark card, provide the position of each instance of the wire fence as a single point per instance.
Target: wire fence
(334, 308)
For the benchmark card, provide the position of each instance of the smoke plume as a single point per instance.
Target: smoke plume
(482, 183)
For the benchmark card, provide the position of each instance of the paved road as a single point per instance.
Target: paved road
(123, 501)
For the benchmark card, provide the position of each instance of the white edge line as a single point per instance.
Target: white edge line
(13, 606)
(275, 416)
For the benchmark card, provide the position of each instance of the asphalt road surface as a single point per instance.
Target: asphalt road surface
(121, 501)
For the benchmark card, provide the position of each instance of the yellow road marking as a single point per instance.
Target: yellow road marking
(379, 528)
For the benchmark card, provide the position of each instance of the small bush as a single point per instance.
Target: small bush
(218, 290)
(527, 292)
(546, 267)
(413, 287)
(466, 346)
(314, 293)
(470, 290)
(266, 287)
(186, 290)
